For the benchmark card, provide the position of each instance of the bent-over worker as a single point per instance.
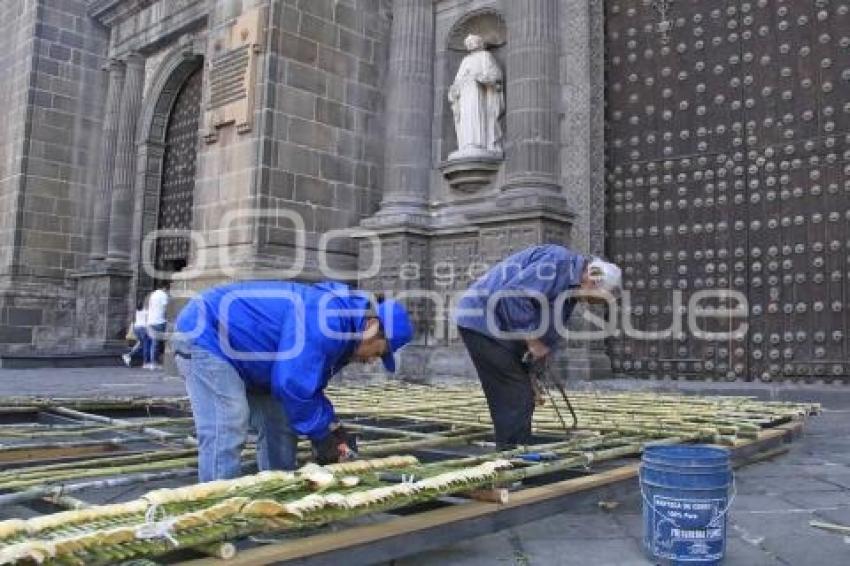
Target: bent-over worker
(260, 353)
(518, 290)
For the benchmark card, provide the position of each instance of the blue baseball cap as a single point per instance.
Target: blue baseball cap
(397, 328)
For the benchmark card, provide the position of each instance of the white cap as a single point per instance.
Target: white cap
(607, 276)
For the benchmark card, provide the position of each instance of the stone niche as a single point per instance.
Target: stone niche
(470, 169)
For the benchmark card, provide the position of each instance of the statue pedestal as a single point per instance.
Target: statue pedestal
(468, 172)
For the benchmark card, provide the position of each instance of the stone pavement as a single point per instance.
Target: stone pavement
(89, 382)
(768, 524)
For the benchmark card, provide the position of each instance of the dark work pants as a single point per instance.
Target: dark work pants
(506, 385)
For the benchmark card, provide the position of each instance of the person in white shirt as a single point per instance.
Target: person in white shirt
(157, 305)
(140, 329)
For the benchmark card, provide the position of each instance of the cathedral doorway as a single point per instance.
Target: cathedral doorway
(178, 175)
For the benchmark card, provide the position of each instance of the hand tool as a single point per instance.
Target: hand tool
(541, 380)
(537, 457)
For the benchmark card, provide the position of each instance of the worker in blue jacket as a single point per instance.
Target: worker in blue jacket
(259, 354)
(521, 294)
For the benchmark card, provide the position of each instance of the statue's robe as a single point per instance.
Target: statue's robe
(477, 103)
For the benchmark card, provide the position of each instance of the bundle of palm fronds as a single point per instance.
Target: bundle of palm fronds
(168, 519)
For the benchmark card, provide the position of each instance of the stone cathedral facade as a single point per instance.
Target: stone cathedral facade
(701, 144)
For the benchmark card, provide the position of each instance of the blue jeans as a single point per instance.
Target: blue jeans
(156, 334)
(141, 346)
(224, 410)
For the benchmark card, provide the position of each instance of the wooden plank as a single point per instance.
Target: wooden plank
(411, 534)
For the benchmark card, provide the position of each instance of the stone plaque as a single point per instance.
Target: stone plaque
(233, 74)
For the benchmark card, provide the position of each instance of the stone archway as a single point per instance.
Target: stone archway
(178, 175)
(168, 131)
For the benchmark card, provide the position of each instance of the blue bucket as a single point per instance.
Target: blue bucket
(686, 497)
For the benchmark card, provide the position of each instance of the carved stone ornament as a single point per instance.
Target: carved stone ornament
(470, 173)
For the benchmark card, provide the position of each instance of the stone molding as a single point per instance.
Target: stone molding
(111, 12)
(468, 174)
(488, 22)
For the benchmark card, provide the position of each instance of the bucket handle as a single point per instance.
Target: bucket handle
(719, 515)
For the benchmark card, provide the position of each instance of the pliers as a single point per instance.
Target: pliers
(538, 372)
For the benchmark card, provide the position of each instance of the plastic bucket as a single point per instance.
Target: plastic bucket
(686, 497)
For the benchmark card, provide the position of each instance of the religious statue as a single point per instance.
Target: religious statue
(477, 102)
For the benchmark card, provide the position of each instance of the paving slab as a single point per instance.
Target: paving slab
(631, 523)
(807, 548)
(490, 549)
(817, 500)
(773, 485)
(584, 526)
(787, 535)
(747, 552)
(746, 502)
(621, 551)
(89, 382)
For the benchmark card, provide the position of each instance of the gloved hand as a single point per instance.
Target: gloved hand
(538, 350)
(336, 447)
(535, 368)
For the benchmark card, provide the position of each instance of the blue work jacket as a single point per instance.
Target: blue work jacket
(548, 270)
(272, 333)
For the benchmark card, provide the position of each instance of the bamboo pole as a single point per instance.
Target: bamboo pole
(149, 431)
(222, 550)
(37, 430)
(74, 487)
(96, 472)
(107, 460)
(117, 442)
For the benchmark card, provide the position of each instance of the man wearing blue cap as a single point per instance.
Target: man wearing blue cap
(259, 354)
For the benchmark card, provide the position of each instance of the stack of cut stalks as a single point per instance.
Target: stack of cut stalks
(167, 519)
(715, 419)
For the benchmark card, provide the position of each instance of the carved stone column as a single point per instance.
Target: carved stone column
(121, 210)
(100, 231)
(410, 108)
(532, 110)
